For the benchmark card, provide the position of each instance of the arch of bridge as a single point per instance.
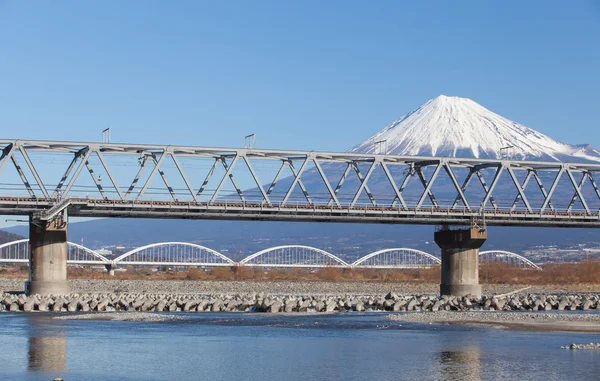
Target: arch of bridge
(512, 255)
(192, 245)
(434, 259)
(72, 244)
(324, 253)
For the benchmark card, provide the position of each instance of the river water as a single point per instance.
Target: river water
(236, 346)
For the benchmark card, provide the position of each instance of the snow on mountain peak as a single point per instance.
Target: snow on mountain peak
(459, 127)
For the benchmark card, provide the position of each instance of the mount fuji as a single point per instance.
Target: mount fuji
(459, 127)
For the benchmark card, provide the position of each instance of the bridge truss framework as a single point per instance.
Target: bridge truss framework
(363, 205)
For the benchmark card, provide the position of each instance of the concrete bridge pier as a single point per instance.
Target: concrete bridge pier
(460, 260)
(110, 269)
(48, 258)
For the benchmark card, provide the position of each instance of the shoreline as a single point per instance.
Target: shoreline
(508, 320)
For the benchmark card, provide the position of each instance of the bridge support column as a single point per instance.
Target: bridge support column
(48, 258)
(110, 269)
(460, 260)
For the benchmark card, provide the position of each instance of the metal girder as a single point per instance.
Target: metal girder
(463, 188)
(184, 177)
(66, 174)
(276, 178)
(207, 178)
(593, 182)
(397, 192)
(228, 169)
(409, 174)
(258, 184)
(577, 191)
(427, 185)
(36, 176)
(326, 181)
(363, 184)
(109, 174)
(524, 186)
(142, 161)
(7, 153)
(552, 188)
(22, 176)
(296, 180)
(459, 189)
(95, 179)
(156, 168)
(542, 189)
(84, 159)
(340, 183)
(519, 189)
(227, 157)
(488, 194)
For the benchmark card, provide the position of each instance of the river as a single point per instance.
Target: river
(236, 346)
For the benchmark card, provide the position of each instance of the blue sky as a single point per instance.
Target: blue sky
(301, 75)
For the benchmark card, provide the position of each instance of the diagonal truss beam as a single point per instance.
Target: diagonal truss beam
(463, 187)
(594, 185)
(184, 177)
(296, 181)
(84, 158)
(158, 166)
(257, 181)
(578, 193)
(552, 188)
(35, 174)
(364, 179)
(363, 184)
(228, 174)
(524, 186)
(397, 192)
(276, 178)
(65, 176)
(542, 189)
(95, 179)
(488, 194)
(519, 189)
(109, 174)
(410, 172)
(461, 194)
(340, 182)
(326, 181)
(427, 185)
(22, 176)
(207, 178)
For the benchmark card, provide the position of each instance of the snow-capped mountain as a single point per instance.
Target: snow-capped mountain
(459, 127)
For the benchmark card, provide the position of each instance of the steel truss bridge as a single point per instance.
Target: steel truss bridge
(181, 254)
(163, 181)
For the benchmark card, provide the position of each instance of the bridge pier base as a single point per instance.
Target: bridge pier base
(48, 259)
(460, 260)
(110, 269)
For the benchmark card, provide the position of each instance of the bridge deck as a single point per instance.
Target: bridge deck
(289, 212)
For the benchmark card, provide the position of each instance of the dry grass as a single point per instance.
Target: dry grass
(553, 274)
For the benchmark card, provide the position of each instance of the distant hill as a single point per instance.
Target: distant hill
(9, 237)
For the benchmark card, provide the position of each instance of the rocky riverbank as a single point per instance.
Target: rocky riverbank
(261, 302)
(188, 287)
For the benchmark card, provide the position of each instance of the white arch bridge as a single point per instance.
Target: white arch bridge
(289, 256)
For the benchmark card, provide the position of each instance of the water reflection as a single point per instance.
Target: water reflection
(460, 358)
(47, 346)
